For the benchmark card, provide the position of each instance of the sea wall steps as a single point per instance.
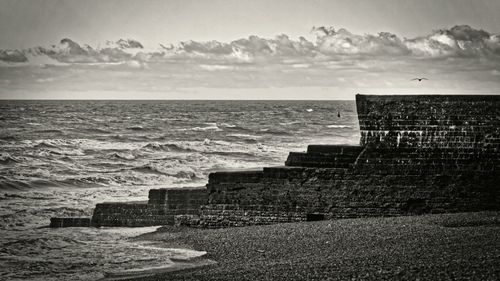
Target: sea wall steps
(160, 209)
(326, 156)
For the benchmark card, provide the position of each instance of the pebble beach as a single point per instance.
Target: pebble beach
(462, 246)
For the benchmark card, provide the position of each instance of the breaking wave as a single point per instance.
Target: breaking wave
(168, 171)
(170, 147)
(6, 158)
(136, 128)
(233, 153)
(247, 138)
(338, 126)
(124, 156)
(209, 127)
(20, 185)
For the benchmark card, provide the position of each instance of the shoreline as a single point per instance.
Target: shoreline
(429, 247)
(177, 266)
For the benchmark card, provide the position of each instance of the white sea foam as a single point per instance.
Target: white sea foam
(290, 123)
(338, 126)
(208, 127)
(227, 125)
(245, 136)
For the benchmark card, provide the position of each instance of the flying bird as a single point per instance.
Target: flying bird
(419, 79)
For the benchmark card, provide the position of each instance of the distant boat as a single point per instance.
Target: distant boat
(309, 110)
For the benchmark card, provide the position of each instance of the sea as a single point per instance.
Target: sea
(60, 158)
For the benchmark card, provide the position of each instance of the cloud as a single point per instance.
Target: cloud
(45, 80)
(136, 64)
(460, 41)
(460, 59)
(342, 42)
(69, 51)
(215, 67)
(301, 65)
(330, 45)
(13, 56)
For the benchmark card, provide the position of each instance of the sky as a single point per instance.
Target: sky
(223, 49)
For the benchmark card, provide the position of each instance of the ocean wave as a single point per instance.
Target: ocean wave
(96, 131)
(14, 185)
(149, 174)
(278, 132)
(67, 159)
(9, 184)
(124, 156)
(26, 195)
(50, 131)
(45, 144)
(127, 138)
(237, 129)
(226, 125)
(109, 151)
(39, 243)
(247, 138)
(338, 126)
(6, 158)
(168, 171)
(118, 137)
(232, 153)
(170, 147)
(290, 123)
(62, 210)
(136, 128)
(33, 124)
(52, 143)
(67, 152)
(8, 138)
(89, 181)
(209, 127)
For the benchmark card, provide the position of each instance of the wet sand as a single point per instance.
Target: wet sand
(430, 247)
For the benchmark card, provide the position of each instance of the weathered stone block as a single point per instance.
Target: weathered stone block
(236, 176)
(70, 222)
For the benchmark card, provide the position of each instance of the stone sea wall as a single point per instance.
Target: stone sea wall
(430, 121)
(160, 209)
(417, 154)
(163, 205)
(296, 193)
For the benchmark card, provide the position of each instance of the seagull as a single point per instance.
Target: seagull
(419, 79)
